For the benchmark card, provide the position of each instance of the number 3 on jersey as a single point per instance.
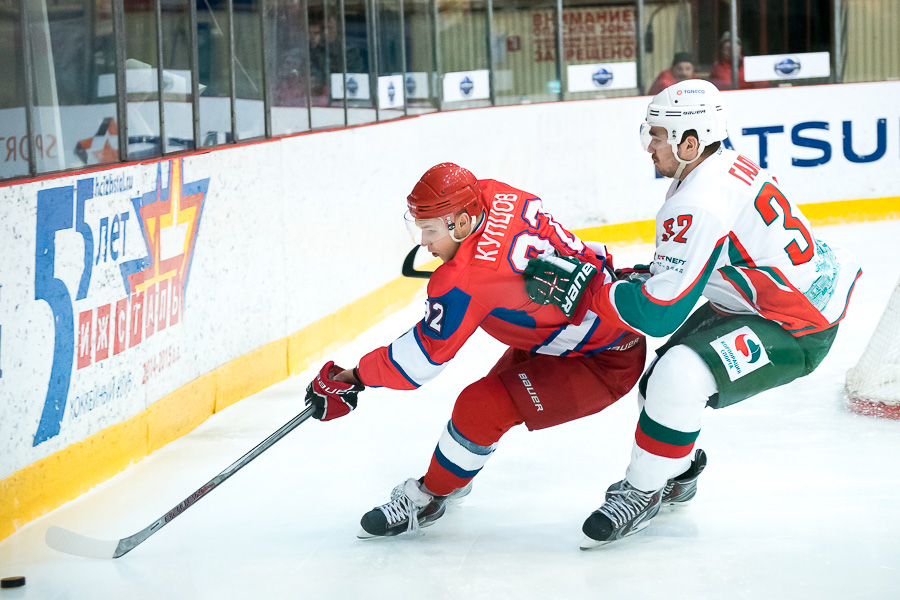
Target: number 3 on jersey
(767, 194)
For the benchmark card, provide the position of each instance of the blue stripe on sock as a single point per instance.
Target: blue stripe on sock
(453, 467)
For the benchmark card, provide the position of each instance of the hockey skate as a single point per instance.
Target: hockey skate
(411, 508)
(626, 510)
(681, 489)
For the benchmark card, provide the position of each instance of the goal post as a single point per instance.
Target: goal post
(873, 385)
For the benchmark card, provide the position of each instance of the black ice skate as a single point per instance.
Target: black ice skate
(626, 510)
(680, 490)
(411, 507)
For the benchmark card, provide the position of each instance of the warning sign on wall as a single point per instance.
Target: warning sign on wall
(597, 34)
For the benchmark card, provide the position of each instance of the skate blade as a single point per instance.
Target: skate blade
(365, 535)
(588, 543)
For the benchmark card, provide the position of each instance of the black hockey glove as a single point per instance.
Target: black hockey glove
(558, 280)
(331, 398)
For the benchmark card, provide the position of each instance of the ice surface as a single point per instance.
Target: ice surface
(801, 498)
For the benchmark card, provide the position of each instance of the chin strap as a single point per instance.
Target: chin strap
(475, 223)
(683, 163)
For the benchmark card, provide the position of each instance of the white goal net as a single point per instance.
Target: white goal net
(873, 385)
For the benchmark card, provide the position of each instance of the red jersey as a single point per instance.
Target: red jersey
(483, 286)
(663, 80)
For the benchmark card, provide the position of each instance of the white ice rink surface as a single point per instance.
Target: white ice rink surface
(800, 500)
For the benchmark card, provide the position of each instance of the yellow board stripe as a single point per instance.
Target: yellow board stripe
(50, 482)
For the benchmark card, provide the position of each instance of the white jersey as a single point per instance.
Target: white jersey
(727, 232)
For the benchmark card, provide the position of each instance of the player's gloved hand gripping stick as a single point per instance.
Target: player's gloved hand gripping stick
(558, 280)
(331, 398)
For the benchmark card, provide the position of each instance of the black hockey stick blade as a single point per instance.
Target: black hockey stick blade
(409, 270)
(70, 542)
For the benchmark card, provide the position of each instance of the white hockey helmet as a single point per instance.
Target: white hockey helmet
(691, 104)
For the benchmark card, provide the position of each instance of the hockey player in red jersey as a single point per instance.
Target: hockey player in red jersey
(775, 294)
(485, 232)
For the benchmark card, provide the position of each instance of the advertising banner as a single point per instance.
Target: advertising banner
(778, 67)
(601, 76)
(467, 85)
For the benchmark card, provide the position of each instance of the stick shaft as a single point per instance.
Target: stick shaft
(72, 543)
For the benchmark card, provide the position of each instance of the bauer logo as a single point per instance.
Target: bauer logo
(786, 67)
(741, 352)
(602, 77)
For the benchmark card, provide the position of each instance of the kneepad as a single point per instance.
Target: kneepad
(677, 380)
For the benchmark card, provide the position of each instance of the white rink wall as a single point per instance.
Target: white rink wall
(119, 286)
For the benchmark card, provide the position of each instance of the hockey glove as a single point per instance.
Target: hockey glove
(637, 273)
(331, 398)
(558, 280)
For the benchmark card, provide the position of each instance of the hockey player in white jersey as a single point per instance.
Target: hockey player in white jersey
(775, 294)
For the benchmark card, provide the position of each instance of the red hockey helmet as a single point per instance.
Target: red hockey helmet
(445, 189)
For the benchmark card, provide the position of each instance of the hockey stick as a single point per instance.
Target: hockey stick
(409, 270)
(79, 545)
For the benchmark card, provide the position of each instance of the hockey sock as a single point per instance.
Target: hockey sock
(677, 392)
(456, 460)
(483, 412)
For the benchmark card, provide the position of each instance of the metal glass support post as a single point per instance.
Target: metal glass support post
(403, 56)
(29, 86)
(195, 74)
(325, 40)
(837, 62)
(343, 56)
(641, 49)
(267, 100)
(160, 80)
(374, 64)
(118, 17)
(89, 47)
(489, 33)
(229, 6)
(436, 40)
(306, 66)
(560, 51)
(735, 60)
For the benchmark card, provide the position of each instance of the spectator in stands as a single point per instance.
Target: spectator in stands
(720, 73)
(682, 68)
(325, 54)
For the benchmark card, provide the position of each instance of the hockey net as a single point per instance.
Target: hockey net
(873, 385)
